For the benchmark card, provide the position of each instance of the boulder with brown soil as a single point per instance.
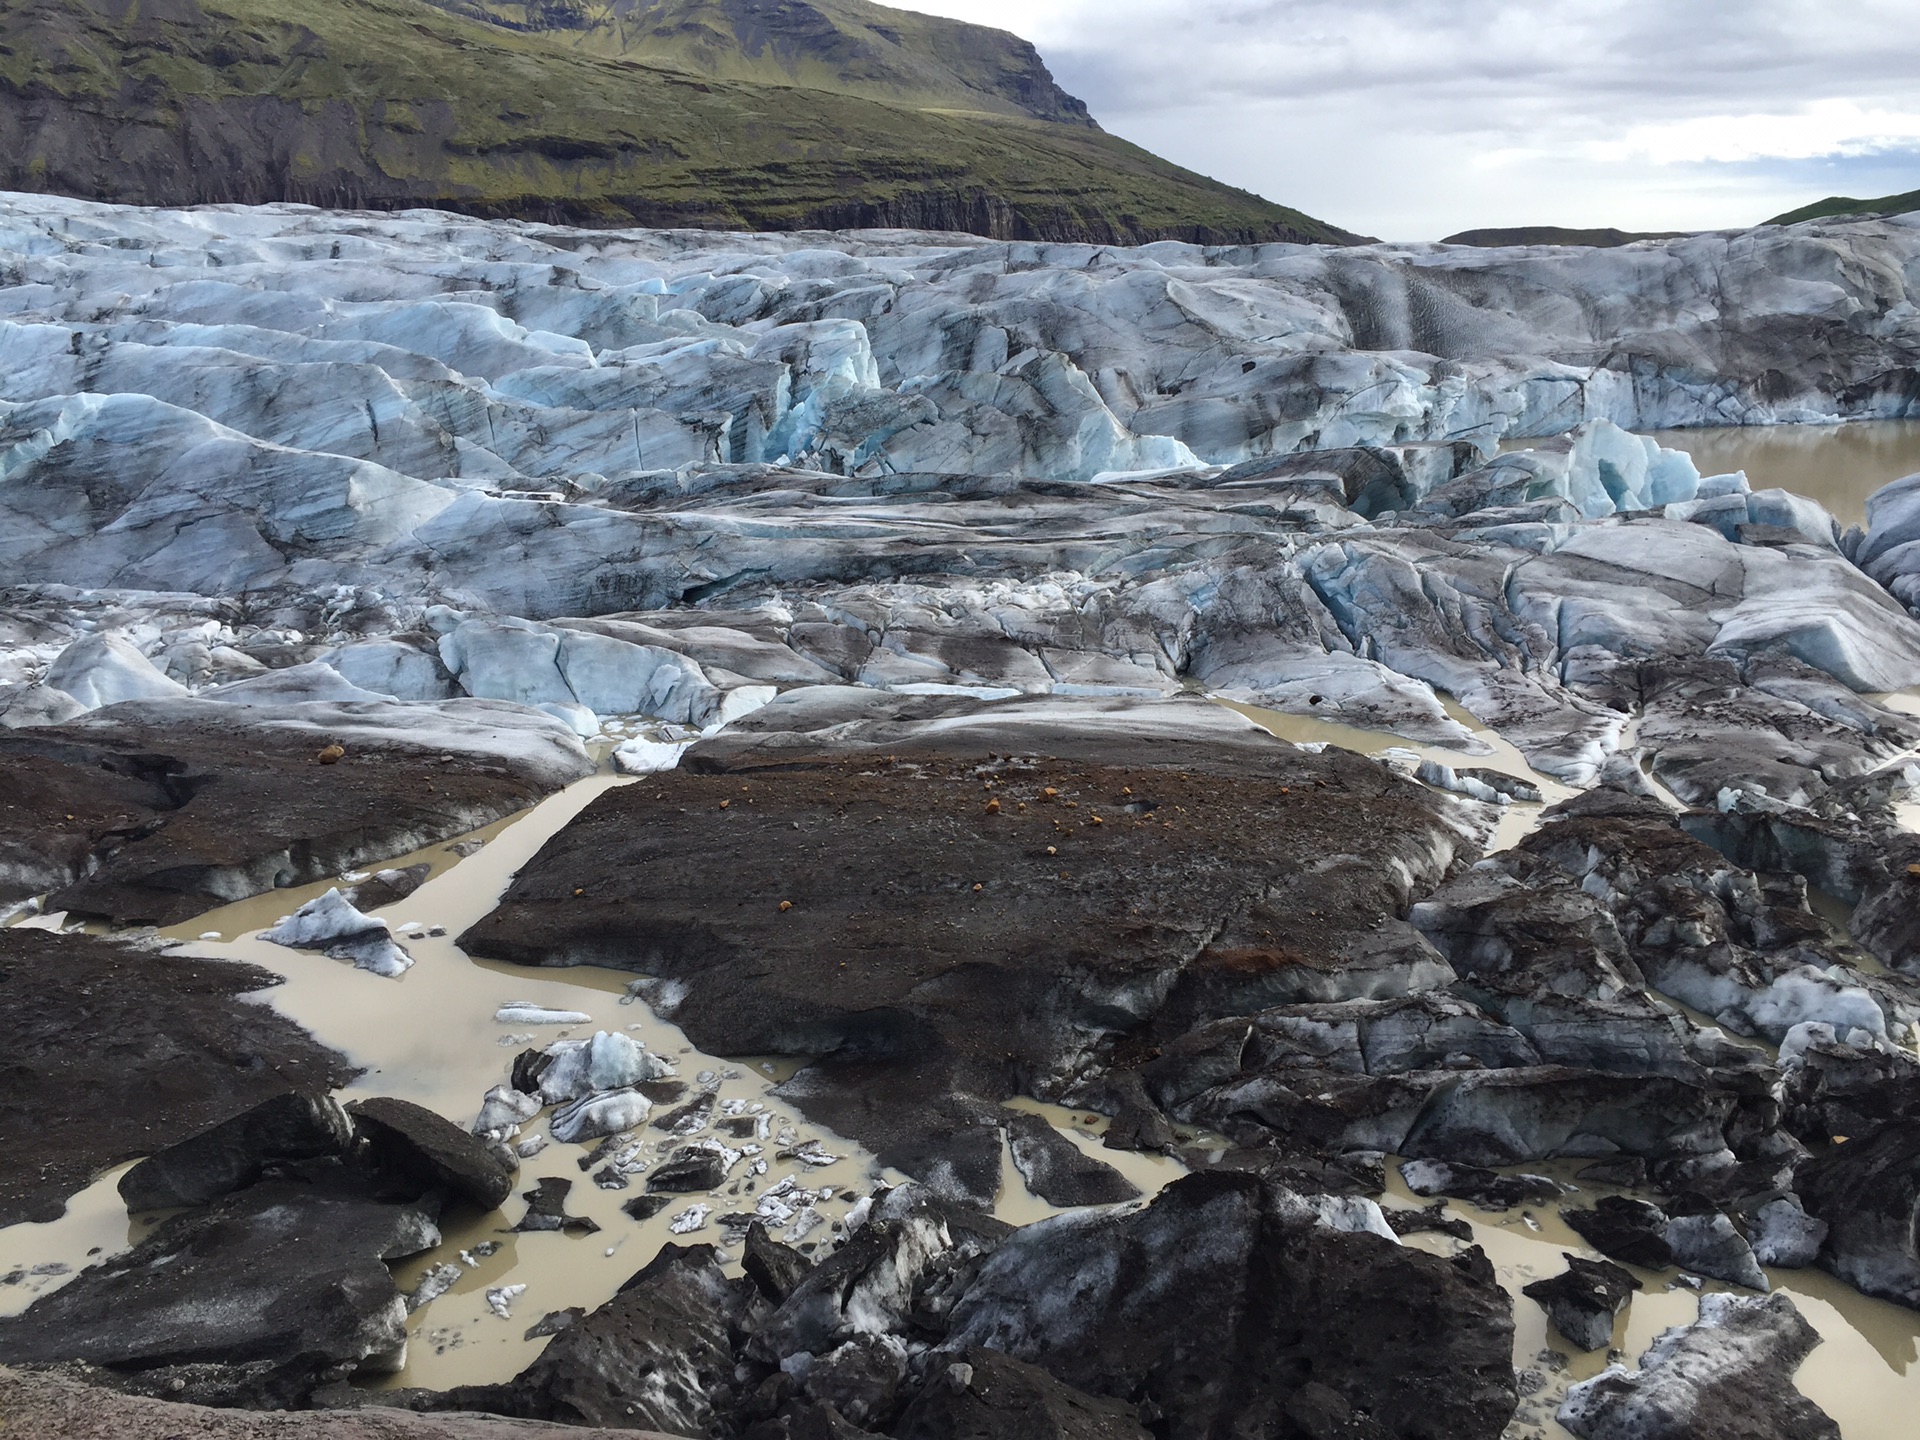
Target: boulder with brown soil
(950, 903)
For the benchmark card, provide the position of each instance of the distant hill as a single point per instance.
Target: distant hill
(847, 47)
(1555, 235)
(1835, 205)
(711, 113)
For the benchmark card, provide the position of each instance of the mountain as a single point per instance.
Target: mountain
(1609, 239)
(385, 104)
(846, 47)
(1835, 205)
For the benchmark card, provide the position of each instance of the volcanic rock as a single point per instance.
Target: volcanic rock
(1868, 1193)
(232, 1155)
(650, 1358)
(986, 1393)
(1058, 1171)
(182, 805)
(1414, 1341)
(1624, 1229)
(249, 1302)
(547, 1209)
(411, 1144)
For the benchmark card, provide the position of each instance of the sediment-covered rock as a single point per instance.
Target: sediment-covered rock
(253, 1301)
(1416, 1342)
(1584, 1300)
(861, 864)
(1867, 1191)
(154, 812)
(289, 1128)
(117, 1053)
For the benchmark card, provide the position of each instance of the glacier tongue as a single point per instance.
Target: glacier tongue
(437, 457)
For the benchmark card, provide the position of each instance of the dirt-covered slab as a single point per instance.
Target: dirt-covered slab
(153, 812)
(955, 902)
(50, 1404)
(114, 1053)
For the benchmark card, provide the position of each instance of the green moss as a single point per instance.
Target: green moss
(398, 103)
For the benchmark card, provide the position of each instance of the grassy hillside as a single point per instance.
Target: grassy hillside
(847, 47)
(1556, 235)
(1835, 205)
(386, 103)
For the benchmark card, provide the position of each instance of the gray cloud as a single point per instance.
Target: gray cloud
(1413, 118)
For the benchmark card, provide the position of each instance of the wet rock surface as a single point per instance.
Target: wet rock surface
(1584, 1300)
(168, 1040)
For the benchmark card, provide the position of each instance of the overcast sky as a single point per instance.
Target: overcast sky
(1412, 119)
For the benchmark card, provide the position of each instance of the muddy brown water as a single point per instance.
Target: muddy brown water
(1838, 465)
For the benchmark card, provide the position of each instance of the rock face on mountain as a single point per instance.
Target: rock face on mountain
(727, 114)
(848, 47)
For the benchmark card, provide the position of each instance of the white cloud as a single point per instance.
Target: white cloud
(1414, 118)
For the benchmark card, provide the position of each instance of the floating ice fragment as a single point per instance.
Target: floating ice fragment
(693, 1218)
(500, 1299)
(331, 924)
(435, 1283)
(523, 1012)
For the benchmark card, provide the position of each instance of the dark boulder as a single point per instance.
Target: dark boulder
(1216, 1306)
(775, 1268)
(1486, 1188)
(1584, 1300)
(294, 1126)
(1868, 1193)
(690, 1170)
(990, 1396)
(861, 1379)
(249, 1302)
(415, 1147)
(388, 887)
(1630, 1231)
(547, 1210)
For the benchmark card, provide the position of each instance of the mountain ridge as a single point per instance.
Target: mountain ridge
(391, 104)
(1836, 206)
